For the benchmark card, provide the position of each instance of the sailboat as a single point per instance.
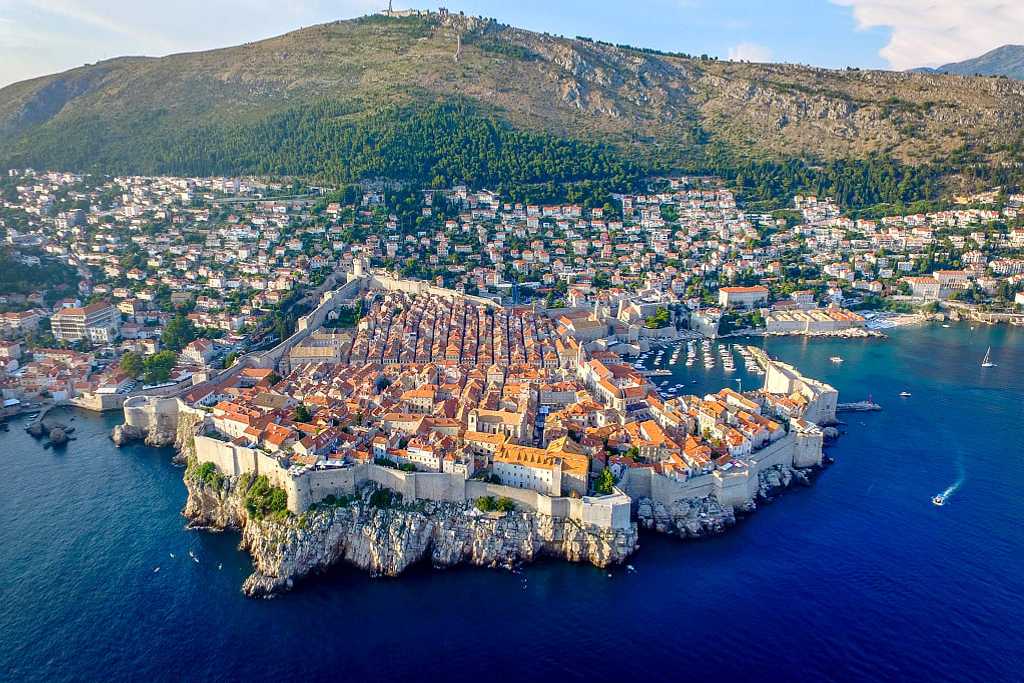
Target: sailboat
(986, 362)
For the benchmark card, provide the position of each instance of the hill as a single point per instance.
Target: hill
(445, 98)
(1007, 60)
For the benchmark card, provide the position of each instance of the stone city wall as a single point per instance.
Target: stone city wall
(149, 413)
(314, 485)
(730, 487)
(98, 402)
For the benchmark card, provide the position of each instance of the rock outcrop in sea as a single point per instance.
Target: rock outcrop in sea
(387, 540)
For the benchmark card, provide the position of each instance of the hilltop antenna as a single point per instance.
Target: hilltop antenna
(390, 8)
(458, 46)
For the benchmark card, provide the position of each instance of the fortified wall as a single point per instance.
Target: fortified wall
(380, 279)
(783, 378)
(152, 414)
(98, 402)
(161, 421)
(730, 487)
(359, 281)
(314, 485)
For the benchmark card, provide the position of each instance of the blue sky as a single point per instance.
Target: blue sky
(43, 36)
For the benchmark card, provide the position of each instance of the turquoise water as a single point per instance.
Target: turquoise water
(859, 577)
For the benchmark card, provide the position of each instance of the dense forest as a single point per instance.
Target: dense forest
(444, 144)
(438, 145)
(853, 183)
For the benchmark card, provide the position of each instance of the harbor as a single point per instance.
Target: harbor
(866, 542)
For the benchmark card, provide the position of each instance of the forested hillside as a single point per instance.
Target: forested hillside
(447, 99)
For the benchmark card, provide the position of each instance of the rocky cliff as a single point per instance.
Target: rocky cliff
(387, 540)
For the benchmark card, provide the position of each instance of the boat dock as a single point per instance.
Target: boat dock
(858, 407)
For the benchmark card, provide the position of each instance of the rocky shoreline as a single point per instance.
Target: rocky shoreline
(388, 540)
(692, 518)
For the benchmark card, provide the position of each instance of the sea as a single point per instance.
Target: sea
(857, 578)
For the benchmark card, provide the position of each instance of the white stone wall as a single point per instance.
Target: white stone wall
(730, 487)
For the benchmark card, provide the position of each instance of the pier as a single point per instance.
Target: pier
(858, 407)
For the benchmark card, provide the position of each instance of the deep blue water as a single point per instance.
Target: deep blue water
(859, 577)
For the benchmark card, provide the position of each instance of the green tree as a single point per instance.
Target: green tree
(301, 413)
(263, 500)
(660, 319)
(157, 368)
(132, 363)
(605, 482)
(178, 333)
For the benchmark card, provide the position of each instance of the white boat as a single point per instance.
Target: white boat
(905, 394)
(939, 500)
(986, 362)
(836, 359)
(156, 570)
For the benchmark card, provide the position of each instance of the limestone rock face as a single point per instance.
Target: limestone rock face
(214, 508)
(188, 426)
(161, 433)
(686, 518)
(775, 479)
(125, 433)
(387, 540)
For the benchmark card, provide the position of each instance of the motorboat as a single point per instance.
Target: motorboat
(905, 394)
(939, 500)
(836, 359)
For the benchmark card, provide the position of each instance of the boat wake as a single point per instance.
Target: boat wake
(944, 497)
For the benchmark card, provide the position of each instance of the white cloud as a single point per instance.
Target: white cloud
(751, 52)
(936, 32)
(80, 12)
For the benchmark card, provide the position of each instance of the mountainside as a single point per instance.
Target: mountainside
(449, 98)
(1007, 60)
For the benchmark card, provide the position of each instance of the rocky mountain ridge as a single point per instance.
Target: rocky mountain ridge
(1006, 60)
(653, 107)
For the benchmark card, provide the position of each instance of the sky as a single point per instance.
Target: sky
(39, 37)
